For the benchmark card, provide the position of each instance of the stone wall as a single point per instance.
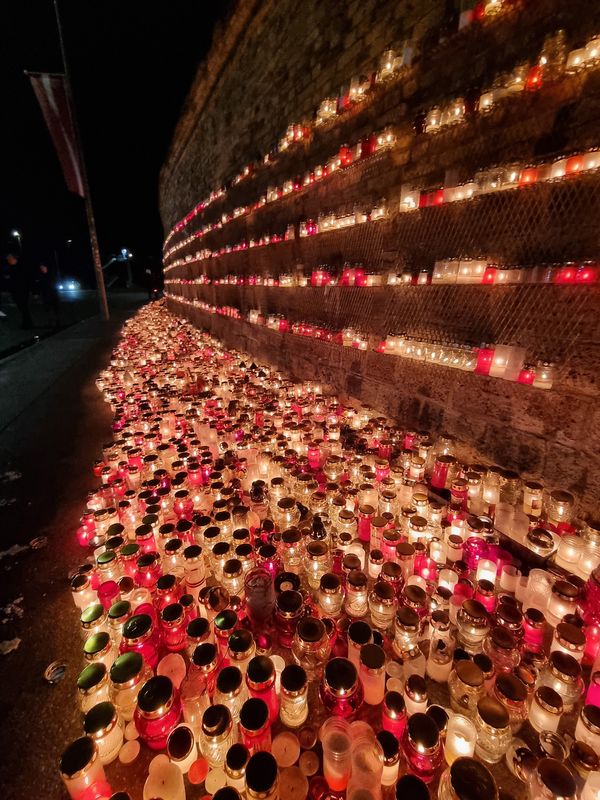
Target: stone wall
(270, 66)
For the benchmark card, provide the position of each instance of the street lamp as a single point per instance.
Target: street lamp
(16, 234)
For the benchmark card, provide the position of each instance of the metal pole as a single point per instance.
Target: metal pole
(84, 179)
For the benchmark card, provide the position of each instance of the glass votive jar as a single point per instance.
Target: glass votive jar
(473, 625)
(241, 647)
(230, 691)
(552, 779)
(588, 727)
(236, 762)
(534, 625)
(422, 747)
(356, 603)
(217, 734)
(466, 687)
(94, 619)
(289, 608)
(330, 595)
(407, 630)
(512, 693)
(562, 601)
(311, 645)
(465, 777)
(393, 713)
(139, 637)
(570, 639)
(92, 686)
(502, 647)
(233, 577)
(82, 771)
(224, 624)
(372, 673)
(340, 690)
(101, 723)
(147, 571)
(382, 605)
(461, 736)
(255, 728)
(260, 681)
(173, 627)
(493, 730)
(441, 648)
(293, 709)
(391, 757)
(546, 709)
(198, 631)
(127, 676)
(82, 592)
(358, 634)
(415, 694)
(563, 674)
(181, 747)
(317, 561)
(157, 712)
(336, 739)
(262, 777)
(206, 660)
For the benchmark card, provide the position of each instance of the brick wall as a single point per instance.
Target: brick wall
(271, 65)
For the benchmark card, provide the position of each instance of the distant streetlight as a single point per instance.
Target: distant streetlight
(16, 234)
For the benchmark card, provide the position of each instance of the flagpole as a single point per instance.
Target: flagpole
(84, 178)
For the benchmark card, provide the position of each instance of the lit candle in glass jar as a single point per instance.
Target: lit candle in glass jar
(461, 736)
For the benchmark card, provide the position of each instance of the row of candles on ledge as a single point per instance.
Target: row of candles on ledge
(260, 550)
(390, 66)
(485, 182)
(508, 362)
(346, 156)
(553, 60)
(477, 271)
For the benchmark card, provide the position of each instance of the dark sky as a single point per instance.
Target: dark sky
(131, 64)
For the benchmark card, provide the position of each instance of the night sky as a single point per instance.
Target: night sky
(131, 65)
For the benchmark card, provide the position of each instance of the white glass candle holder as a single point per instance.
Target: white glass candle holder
(461, 736)
(486, 570)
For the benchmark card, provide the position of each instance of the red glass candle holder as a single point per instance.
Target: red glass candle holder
(340, 690)
(157, 712)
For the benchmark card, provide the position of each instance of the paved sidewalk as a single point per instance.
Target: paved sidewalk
(52, 425)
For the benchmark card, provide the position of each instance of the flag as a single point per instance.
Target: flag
(51, 92)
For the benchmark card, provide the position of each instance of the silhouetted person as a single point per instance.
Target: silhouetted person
(48, 293)
(18, 281)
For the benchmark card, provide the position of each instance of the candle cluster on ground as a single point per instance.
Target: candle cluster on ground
(289, 597)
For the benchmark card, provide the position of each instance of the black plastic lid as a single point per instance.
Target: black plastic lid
(360, 632)
(204, 654)
(166, 582)
(237, 757)
(290, 601)
(439, 715)
(511, 687)
(260, 669)
(330, 582)
(394, 701)
(472, 780)
(240, 640)
(98, 718)
(407, 617)
(119, 609)
(229, 680)
(310, 629)
(156, 692)
(286, 581)
(198, 628)
(137, 626)
(180, 742)
(557, 778)
(91, 676)
(293, 678)
(423, 731)
(389, 744)
(146, 560)
(126, 667)
(225, 620)
(261, 772)
(215, 720)
(220, 549)
(372, 656)
(227, 793)
(415, 594)
(77, 756)
(341, 674)
(254, 714)
(92, 613)
(172, 612)
(493, 712)
(409, 787)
